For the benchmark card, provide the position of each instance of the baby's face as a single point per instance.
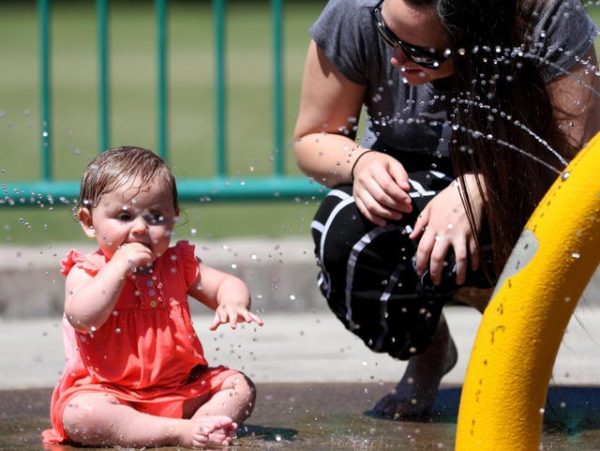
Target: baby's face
(135, 214)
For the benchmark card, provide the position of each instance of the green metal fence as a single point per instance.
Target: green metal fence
(220, 186)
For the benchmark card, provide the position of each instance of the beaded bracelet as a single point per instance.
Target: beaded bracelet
(356, 161)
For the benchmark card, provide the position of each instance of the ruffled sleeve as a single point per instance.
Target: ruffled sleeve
(186, 257)
(77, 259)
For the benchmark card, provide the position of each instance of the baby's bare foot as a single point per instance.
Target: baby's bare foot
(415, 394)
(218, 430)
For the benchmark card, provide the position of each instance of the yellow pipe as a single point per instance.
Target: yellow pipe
(504, 393)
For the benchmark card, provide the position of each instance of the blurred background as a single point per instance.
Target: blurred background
(133, 76)
(133, 98)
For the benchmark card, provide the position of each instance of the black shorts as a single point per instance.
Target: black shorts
(367, 272)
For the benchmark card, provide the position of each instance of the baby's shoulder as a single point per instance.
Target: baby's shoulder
(182, 248)
(88, 262)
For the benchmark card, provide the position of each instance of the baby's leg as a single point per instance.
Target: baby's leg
(416, 392)
(98, 419)
(235, 399)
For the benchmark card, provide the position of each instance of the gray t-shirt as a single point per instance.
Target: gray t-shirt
(409, 118)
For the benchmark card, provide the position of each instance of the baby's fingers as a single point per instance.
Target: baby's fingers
(238, 314)
(215, 323)
(220, 318)
(233, 317)
(250, 317)
(255, 319)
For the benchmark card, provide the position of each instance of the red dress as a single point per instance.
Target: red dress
(147, 354)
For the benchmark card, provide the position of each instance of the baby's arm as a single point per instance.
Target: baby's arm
(227, 295)
(90, 299)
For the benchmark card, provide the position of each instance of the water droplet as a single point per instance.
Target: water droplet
(565, 175)
(576, 255)
(193, 232)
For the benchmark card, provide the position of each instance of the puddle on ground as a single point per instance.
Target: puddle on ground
(334, 417)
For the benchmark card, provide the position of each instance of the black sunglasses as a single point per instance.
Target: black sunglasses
(426, 57)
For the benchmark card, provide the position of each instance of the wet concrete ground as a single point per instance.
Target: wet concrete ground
(321, 416)
(315, 382)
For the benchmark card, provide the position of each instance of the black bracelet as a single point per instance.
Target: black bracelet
(356, 161)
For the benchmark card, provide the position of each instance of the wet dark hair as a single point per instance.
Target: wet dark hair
(501, 93)
(117, 166)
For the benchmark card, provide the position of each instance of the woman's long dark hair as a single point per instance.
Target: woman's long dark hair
(500, 95)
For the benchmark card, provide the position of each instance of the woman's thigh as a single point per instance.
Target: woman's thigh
(367, 272)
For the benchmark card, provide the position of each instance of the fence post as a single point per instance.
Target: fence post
(103, 76)
(162, 93)
(219, 12)
(45, 90)
(278, 94)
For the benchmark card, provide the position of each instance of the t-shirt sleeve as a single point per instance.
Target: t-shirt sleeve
(341, 33)
(564, 33)
(186, 259)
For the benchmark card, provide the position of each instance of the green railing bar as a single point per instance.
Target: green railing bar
(162, 93)
(190, 190)
(219, 11)
(103, 76)
(45, 90)
(218, 187)
(278, 95)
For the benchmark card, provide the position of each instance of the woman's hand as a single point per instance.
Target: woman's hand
(381, 188)
(443, 224)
